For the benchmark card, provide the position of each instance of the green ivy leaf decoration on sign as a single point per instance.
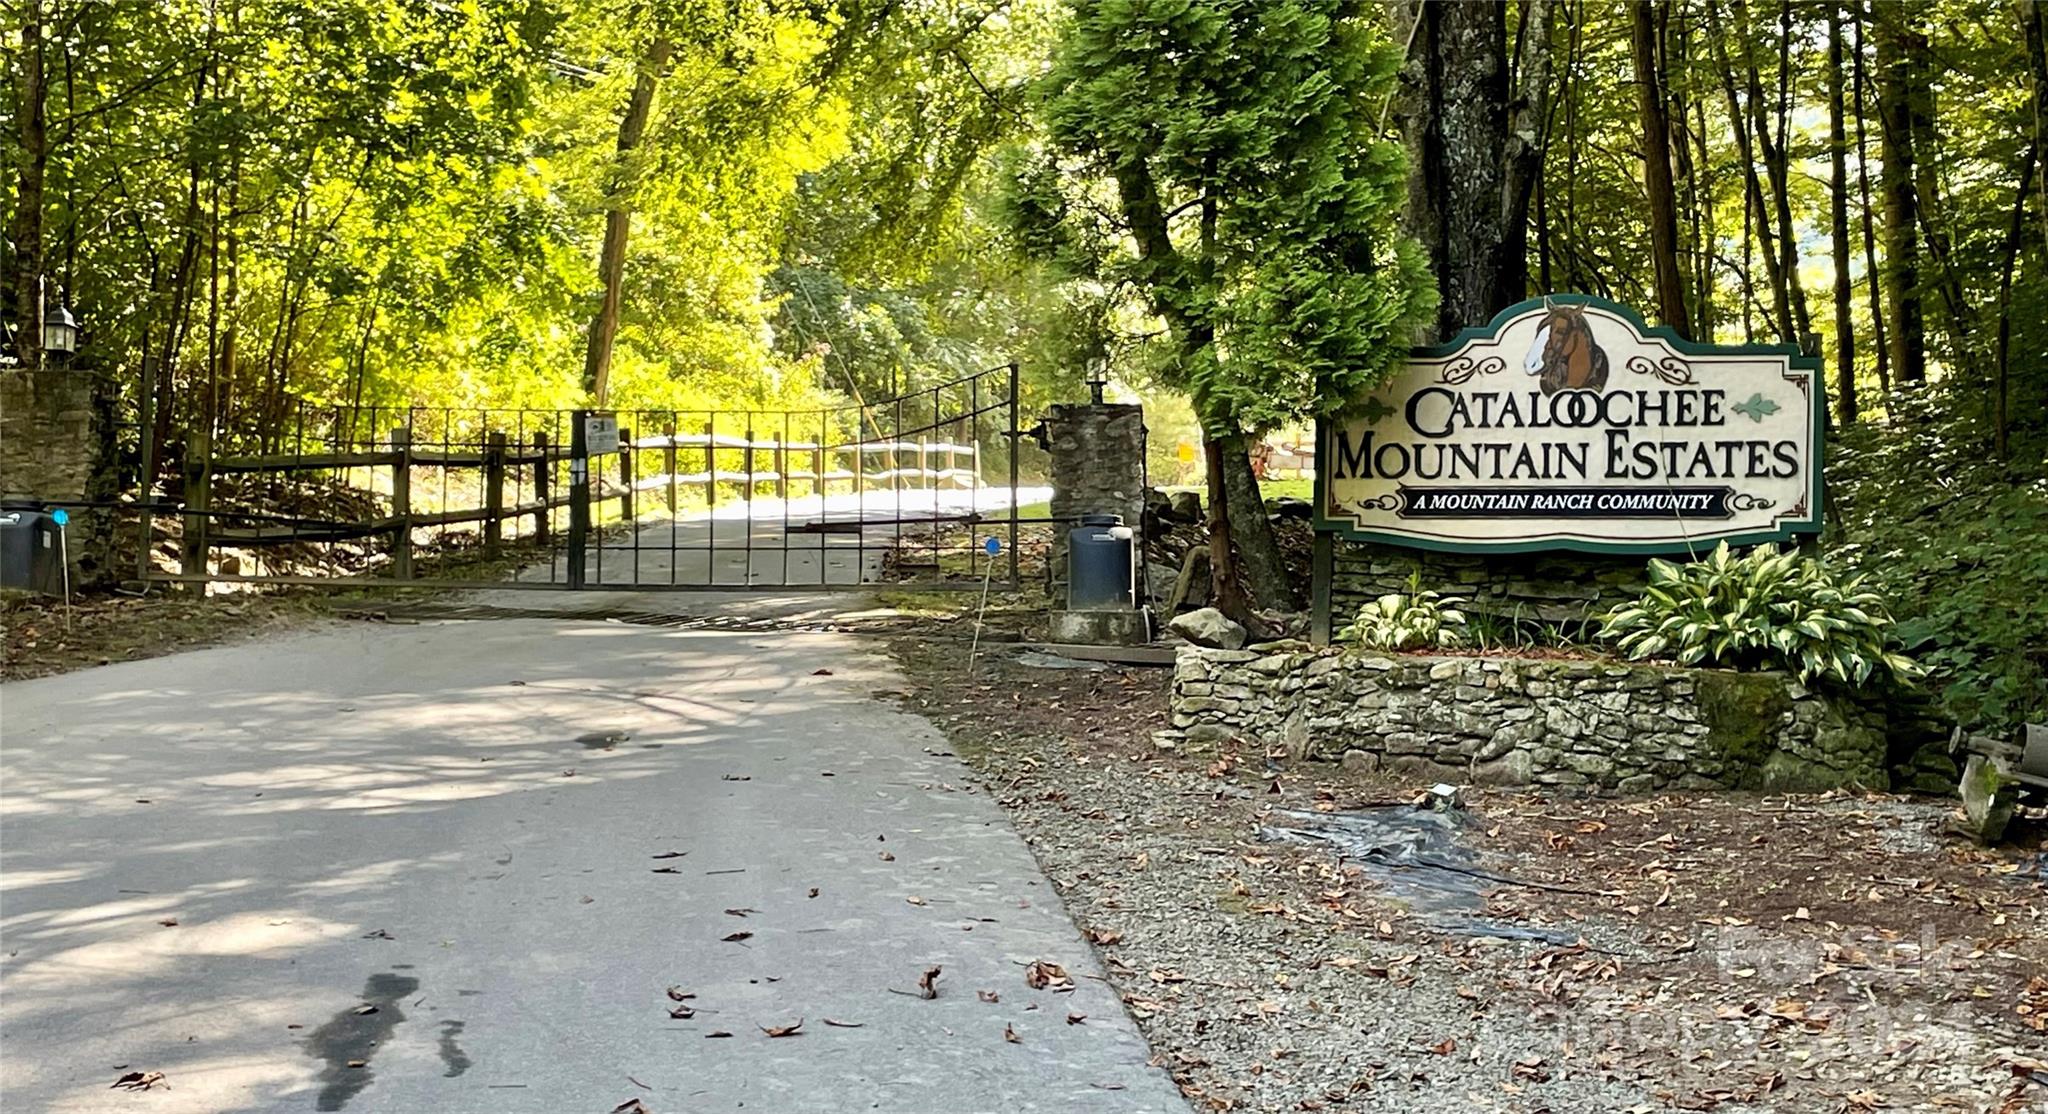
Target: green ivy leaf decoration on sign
(1375, 409)
(1757, 407)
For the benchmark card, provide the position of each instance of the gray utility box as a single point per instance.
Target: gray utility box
(1100, 565)
(30, 552)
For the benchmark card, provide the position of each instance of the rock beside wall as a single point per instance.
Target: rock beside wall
(1600, 726)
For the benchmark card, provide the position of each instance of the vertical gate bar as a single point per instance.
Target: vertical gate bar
(860, 487)
(820, 482)
(782, 470)
(494, 494)
(629, 506)
(896, 483)
(668, 465)
(668, 461)
(401, 502)
(1016, 580)
(579, 501)
(974, 481)
(543, 516)
(747, 472)
(711, 497)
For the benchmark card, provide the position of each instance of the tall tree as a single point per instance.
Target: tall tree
(1901, 54)
(618, 221)
(1656, 140)
(1470, 124)
(30, 96)
(1237, 138)
(1880, 347)
(1838, 225)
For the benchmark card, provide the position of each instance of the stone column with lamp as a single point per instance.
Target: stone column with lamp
(1096, 464)
(56, 441)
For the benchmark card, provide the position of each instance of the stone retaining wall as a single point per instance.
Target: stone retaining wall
(1604, 726)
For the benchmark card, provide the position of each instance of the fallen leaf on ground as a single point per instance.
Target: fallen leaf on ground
(1103, 938)
(1076, 1018)
(678, 994)
(740, 912)
(735, 937)
(928, 983)
(169, 922)
(915, 900)
(1445, 1046)
(1010, 1034)
(783, 1030)
(813, 893)
(821, 673)
(139, 1080)
(669, 855)
(887, 857)
(844, 1024)
(365, 1008)
(630, 1106)
(988, 996)
(735, 777)
(380, 934)
(666, 870)
(716, 1033)
(1042, 974)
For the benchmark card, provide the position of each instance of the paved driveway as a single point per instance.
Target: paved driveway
(415, 868)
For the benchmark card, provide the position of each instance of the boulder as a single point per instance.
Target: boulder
(1160, 580)
(1185, 506)
(1208, 627)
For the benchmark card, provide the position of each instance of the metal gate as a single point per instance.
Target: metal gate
(907, 491)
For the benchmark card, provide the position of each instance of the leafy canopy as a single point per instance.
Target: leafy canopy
(1223, 158)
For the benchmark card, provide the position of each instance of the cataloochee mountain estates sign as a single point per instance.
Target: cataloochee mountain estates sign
(1567, 423)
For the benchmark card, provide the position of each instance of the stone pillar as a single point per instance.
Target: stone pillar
(1097, 467)
(55, 447)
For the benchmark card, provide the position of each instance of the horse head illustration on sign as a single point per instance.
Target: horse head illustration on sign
(1564, 353)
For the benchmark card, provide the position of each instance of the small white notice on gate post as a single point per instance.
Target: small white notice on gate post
(600, 434)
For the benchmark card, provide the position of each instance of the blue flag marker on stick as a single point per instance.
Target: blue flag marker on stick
(62, 517)
(993, 545)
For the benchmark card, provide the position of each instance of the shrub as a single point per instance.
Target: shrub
(1765, 609)
(1411, 620)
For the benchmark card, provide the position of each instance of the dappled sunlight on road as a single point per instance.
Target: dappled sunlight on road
(203, 821)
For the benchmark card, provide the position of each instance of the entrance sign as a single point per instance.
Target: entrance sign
(1567, 423)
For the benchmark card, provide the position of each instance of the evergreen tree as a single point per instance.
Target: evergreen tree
(1257, 209)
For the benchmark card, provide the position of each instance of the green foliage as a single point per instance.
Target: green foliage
(1221, 158)
(1414, 620)
(1958, 541)
(1764, 609)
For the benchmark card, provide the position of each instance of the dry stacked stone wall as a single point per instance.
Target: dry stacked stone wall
(1598, 726)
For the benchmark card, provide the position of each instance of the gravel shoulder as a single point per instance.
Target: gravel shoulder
(1837, 952)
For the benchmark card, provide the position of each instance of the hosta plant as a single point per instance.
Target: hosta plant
(1411, 620)
(1765, 609)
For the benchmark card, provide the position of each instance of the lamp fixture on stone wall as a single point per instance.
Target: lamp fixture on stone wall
(1098, 377)
(60, 329)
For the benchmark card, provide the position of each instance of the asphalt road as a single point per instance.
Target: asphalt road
(414, 868)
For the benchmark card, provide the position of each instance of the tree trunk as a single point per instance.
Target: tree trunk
(1454, 117)
(1656, 129)
(1899, 48)
(2014, 233)
(1756, 212)
(618, 222)
(1879, 345)
(1838, 221)
(2037, 66)
(28, 196)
